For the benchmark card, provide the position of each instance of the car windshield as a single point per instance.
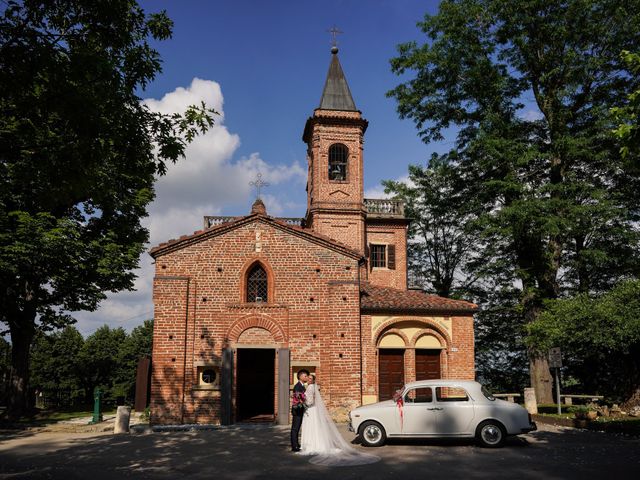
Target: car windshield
(487, 393)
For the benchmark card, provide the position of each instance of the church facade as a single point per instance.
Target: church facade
(244, 303)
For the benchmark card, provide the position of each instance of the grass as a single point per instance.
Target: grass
(555, 415)
(627, 425)
(552, 409)
(48, 417)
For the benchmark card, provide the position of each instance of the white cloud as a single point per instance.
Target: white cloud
(274, 174)
(531, 114)
(200, 90)
(377, 191)
(200, 184)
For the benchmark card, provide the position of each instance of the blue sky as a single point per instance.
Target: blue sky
(263, 65)
(270, 59)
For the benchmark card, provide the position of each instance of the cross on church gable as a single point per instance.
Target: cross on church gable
(258, 183)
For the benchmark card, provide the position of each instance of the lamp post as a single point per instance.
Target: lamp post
(555, 361)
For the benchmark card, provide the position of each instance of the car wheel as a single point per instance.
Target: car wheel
(372, 434)
(491, 434)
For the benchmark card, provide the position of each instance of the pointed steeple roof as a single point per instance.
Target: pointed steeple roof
(336, 94)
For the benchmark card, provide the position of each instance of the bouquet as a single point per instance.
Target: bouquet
(298, 401)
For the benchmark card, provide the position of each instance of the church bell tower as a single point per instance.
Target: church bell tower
(334, 136)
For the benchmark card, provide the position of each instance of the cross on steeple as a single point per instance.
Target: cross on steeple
(334, 33)
(258, 183)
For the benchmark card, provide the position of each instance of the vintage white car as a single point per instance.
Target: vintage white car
(440, 408)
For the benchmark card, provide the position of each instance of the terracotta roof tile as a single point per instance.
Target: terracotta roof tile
(385, 298)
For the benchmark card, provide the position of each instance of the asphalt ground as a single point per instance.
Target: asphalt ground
(261, 452)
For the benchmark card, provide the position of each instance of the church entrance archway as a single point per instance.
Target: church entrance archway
(255, 384)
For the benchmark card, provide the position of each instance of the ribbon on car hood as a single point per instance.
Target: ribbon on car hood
(397, 397)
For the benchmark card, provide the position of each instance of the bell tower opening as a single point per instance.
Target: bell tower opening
(338, 162)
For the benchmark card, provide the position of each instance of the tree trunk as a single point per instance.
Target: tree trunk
(632, 379)
(539, 373)
(21, 338)
(541, 379)
(632, 402)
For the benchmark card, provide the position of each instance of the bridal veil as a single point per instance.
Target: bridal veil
(335, 451)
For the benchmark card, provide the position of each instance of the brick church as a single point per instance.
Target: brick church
(244, 303)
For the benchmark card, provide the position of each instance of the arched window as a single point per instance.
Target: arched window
(257, 284)
(338, 155)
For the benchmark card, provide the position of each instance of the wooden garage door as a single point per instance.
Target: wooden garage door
(427, 364)
(390, 372)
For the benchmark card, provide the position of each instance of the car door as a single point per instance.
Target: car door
(419, 412)
(455, 410)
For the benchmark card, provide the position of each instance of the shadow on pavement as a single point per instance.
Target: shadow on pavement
(256, 453)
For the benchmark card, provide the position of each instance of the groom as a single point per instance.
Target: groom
(297, 411)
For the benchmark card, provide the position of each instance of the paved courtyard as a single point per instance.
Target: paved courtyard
(258, 452)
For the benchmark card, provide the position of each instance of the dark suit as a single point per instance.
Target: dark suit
(296, 420)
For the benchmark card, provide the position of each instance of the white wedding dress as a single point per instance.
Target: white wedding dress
(320, 436)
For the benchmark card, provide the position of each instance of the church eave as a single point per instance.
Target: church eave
(375, 298)
(201, 235)
(333, 120)
(197, 236)
(423, 310)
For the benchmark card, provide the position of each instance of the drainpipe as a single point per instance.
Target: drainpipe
(361, 261)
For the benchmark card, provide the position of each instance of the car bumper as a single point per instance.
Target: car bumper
(531, 428)
(350, 427)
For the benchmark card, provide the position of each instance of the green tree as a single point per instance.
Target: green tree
(99, 360)
(137, 345)
(447, 255)
(55, 362)
(557, 205)
(628, 130)
(79, 154)
(441, 236)
(500, 349)
(593, 330)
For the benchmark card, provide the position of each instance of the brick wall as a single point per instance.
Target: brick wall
(327, 130)
(315, 302)
(313, 310)
(168, 362)
(346, 228)
(389, 233)
(335, 208)
(462, 362)
(256, 336)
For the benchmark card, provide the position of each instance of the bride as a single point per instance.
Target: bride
(321, 438)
